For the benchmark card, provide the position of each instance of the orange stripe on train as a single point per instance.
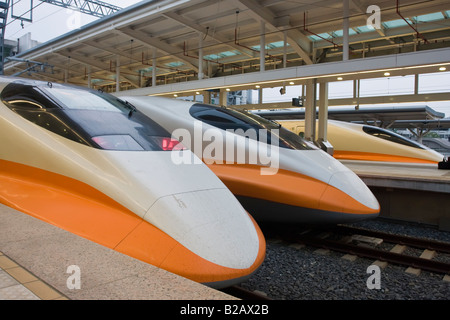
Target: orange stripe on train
(368, 156)
(80, 209)
(286, 187)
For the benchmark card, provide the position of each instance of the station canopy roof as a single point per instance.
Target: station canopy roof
(384, 116)
(439, 124)
(226, 37)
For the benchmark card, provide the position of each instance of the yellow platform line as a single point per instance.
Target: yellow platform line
(38, 287)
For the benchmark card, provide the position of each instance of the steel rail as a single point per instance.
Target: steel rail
(244, 294)
(377, 254)
(439, 246)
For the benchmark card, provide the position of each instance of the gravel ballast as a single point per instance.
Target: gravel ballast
(305, 273)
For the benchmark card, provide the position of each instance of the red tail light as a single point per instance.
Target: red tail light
(169, 144)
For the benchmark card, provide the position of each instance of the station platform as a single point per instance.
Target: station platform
(36, 260)
(411, 192)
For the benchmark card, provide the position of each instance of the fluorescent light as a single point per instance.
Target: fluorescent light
(292, 82)
(340, 78)
(442, 68)
(228, 89)
(387, 74)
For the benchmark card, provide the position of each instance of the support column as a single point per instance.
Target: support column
(357, 92)
(141, 78)
(209, 69)
(206, 97)
(323, 112)
(200, 56)
(346, 13)
(117, 73)
(89, 71)
(223, 95)
(262, 44)
(416, 84)
(284, 49)
(154, 68)
(322, 140)
(310, 110)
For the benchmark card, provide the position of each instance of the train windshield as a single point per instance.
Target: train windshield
(391, 136)
(89, 117)
(78, 99)
(228, 118)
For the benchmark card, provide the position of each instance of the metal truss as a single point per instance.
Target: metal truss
(4, 7)
(92, 7)
(32, 66)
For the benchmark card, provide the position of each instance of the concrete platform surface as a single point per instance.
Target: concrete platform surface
(411, 192)
(39, 261)
(426, 177)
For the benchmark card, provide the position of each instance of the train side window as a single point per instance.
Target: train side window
(25, 104)
(214, 118)
(52, 122)
(229, 118)
(390, 136)
(19, 95)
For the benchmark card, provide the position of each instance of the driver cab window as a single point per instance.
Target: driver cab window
(29, 102)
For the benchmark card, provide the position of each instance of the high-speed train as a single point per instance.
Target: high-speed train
(272, 171)
(91, 164)
(369, 143)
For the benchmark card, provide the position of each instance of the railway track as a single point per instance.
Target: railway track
(244, 294)
(366, 244)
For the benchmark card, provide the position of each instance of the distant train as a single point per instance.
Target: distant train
(363, 142)
(294, 182)
(92, 164)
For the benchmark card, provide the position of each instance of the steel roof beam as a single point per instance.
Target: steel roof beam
(160, 45)
(196, 27)
(94, 63)
(389, 33)
(297, 40)
(362, 10)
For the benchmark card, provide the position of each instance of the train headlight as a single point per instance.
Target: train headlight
(118, 142)
(128, 143)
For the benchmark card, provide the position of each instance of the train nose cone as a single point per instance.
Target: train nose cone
(219, 231)
(350, 194)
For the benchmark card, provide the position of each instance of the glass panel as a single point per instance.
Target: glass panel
(248, 121)
(390, 136)
(340, 89)
(82, 100)
(434, 82)
(387, 86)
(118, 142)
(430, 17)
